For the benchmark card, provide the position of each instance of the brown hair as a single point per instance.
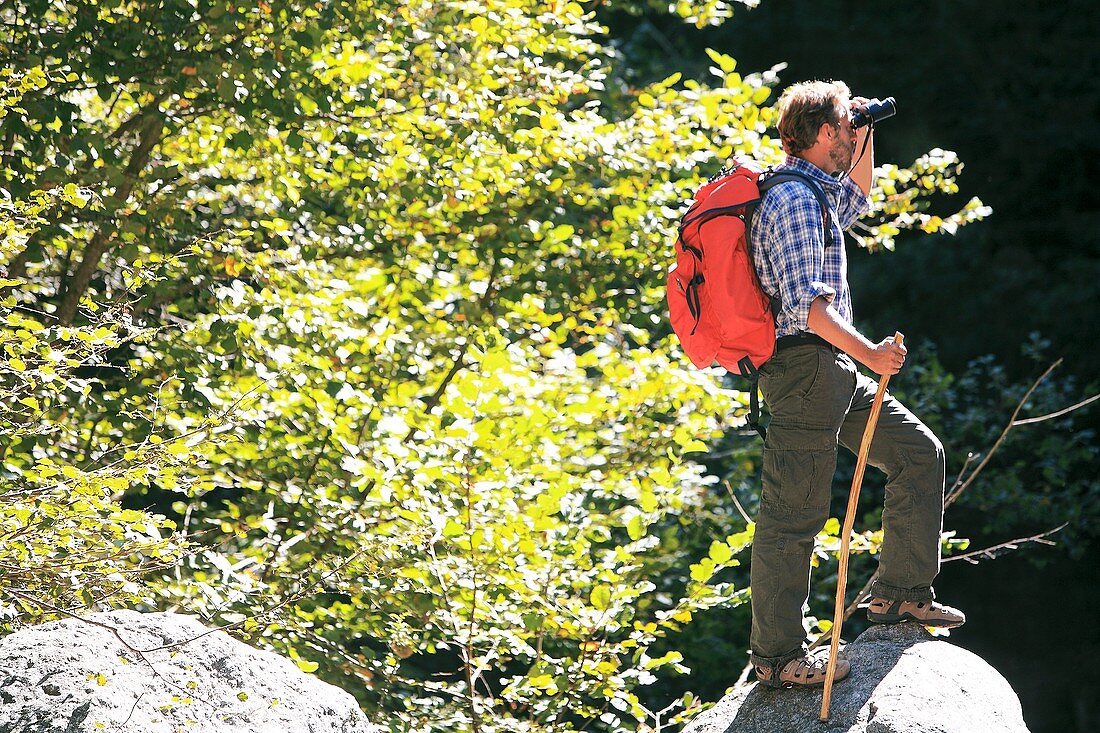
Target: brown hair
(804, 107)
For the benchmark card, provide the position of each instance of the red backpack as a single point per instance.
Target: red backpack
(715, 303)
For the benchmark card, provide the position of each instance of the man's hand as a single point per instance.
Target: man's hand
(885, 357)
(853, 104)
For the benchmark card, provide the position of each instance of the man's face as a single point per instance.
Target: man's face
(843, 148)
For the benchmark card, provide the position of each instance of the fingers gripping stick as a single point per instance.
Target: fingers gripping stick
(846, 535)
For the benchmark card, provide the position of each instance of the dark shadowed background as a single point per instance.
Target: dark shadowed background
(1013, 89)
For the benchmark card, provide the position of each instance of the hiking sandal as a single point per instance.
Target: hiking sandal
(926, 613)
(805, 671)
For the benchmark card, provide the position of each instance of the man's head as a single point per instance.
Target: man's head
(815, 124)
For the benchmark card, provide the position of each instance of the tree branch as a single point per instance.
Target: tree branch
(152, 131)
(435, 397)
(485, 303)
(468, 652)
(1001, 439)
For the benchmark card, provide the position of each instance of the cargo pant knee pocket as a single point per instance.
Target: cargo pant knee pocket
(795, 480)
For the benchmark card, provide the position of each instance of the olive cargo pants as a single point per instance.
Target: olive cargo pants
(817, 398)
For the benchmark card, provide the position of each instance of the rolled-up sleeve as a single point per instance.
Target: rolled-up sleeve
(853, 203)
(801, 256)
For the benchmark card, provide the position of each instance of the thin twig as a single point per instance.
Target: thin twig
(212, 425)
(990, 553)
(296, 596)
(132, 709)
(1051, 416)
(740, 509)
(851, 609)
(64, 612)
(300, 593)
(139, 652)
(962, 472)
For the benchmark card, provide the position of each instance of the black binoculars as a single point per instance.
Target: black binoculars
(874, 111)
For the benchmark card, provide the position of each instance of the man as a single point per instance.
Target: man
(818, 398)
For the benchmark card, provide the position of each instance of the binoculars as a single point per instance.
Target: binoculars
(874, 111)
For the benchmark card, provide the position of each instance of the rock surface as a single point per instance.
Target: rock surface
(903, 680)
(71, 676)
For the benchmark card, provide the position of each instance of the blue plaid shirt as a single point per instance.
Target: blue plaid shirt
(789, 247)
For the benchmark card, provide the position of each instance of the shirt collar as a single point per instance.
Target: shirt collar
(804, 166)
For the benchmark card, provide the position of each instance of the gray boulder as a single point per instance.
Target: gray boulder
(72, 676)
(903, 680)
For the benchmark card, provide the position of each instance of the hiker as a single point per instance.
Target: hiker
(817, 397)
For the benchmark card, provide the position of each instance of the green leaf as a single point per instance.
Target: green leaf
(726, 63)
(307, 666)
(116, 483)
(669, 658)
(601, 597)
(541, 681)
(703, 570)
(560, 233)
(720, 552)
(75, 195)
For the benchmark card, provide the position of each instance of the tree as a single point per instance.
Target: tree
(65, 543)
(416, 251)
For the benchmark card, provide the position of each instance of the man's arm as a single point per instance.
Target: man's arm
(863, 171)
(885, 357)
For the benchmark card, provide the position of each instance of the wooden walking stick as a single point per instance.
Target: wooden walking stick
(846, 535)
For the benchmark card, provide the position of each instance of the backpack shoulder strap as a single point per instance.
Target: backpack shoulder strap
(774, 179)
